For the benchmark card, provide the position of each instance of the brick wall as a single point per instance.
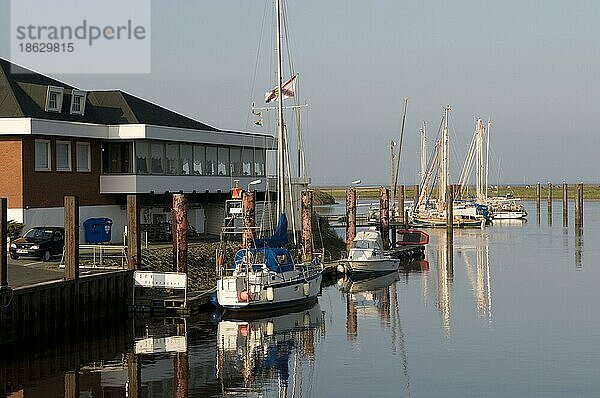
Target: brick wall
(11, 172)
(48, 188)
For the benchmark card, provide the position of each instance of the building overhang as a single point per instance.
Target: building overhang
(68, 129)
(140, 184)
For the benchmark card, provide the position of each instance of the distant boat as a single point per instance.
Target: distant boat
(366, 254)
(433, 213)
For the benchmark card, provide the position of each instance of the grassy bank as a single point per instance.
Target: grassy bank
(590, 192)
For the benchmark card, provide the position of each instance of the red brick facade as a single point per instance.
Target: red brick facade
(11, 171)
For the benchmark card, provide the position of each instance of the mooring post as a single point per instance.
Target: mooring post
(134, 242)
(350, 217)
(415, 196)
(307, 239)
(180, 229)
(249, 220)
(71, 385)
(71, 237)
(134, 374)
(384, 216)
(538, 199)
(3, 241)
(577, 204)
(549, 198)
(565, 204)
(581, 204)
(400, 214)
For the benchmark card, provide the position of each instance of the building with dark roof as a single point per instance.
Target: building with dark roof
(58, 140)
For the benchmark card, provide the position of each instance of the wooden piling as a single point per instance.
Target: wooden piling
(415, 195)
(71, 237)
(72, 384)
(565, 204)
(307, 239)
(538, 198)
(579, 205)
(549, 199)
(249, 220)
(3, 240)
(134, 242)
(350, 216)
(400, 214)
(384, 216)
(180, 229)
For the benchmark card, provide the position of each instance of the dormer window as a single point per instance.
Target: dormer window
(54, 99)
(78, 102)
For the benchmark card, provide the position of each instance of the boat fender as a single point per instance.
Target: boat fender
(243, 296)
(306, 288)
(270, 294)
(270, 328)
(306, 319)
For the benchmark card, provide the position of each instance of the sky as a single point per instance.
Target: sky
(529, 66)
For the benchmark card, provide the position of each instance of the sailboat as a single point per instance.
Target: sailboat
(264, 275)
(429, 213)
(499, 207)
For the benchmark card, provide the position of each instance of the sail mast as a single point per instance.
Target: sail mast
(280, 146)
(444, 169)
(423, 152)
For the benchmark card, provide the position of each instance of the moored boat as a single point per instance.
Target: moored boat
(366, 254)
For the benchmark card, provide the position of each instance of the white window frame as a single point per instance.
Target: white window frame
(48, 154)
(87, 148)
(69, 156)
(79, 94)
(59, 98)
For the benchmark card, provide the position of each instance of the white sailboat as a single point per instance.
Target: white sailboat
(429, 213)
(264, 275)
(499, 207)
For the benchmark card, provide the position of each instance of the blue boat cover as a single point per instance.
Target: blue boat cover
(279, 238)
(277, 259)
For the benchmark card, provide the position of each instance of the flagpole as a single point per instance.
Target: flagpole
(280, 157)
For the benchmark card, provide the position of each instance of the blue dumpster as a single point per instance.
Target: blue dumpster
(97, 230)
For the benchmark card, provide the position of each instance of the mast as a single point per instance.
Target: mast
(423, 152)
(487, 157)
(480, 174)
(280, 156)
(445, 170)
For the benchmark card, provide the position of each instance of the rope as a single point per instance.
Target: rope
(252, 86)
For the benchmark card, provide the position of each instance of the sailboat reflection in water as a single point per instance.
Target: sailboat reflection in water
(255, 355)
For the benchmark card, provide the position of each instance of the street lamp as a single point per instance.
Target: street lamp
(255, 182)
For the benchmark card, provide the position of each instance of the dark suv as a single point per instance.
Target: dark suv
(42, 242)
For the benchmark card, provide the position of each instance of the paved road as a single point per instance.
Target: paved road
(27, 271)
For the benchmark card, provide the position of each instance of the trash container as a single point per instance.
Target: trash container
(97, 230)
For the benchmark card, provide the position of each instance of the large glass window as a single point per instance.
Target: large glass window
(199, 159)
(223, 167)
(236, 161)
(116, 157)
(42, 155)
(247, 160)
(259, 162)
(142, 157)
(157, 150)
(84, 162)
(187, 159)
(211, 160)
(172, 159)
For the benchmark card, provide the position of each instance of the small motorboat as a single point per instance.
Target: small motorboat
(411, 237)
(367, 256)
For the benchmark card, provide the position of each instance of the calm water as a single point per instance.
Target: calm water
(513, 314)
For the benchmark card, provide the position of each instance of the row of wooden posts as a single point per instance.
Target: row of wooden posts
(565, 203)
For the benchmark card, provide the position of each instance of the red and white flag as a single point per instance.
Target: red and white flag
(288, 88)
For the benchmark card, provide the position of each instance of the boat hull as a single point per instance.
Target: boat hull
(263, 293)
(510, 215)
(366, 266)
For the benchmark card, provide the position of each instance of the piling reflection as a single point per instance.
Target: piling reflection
(267, 355)
(578, 246)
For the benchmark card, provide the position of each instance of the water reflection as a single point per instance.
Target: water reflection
(478, 273)
(268, 355)
(578, 246)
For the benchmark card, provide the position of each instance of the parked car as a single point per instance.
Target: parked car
(42, 242)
